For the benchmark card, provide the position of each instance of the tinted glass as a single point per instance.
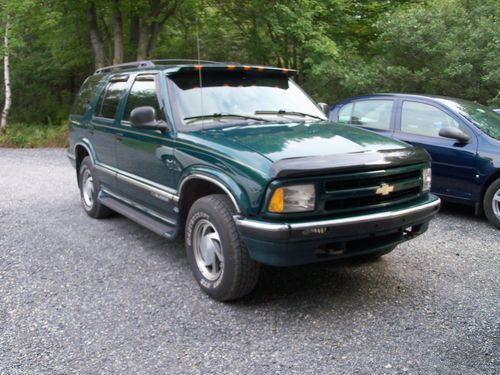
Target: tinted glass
(424, 119)
(142, 93)
(85, 95)
(242, 93)
(373, 114)
(345, 113)
(108, 102)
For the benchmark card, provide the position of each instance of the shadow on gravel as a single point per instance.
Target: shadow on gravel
(460, 211)
(352, 282)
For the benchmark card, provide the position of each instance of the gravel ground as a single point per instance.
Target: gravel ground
(82, 296)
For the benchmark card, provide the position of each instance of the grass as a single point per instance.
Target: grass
(34, 136)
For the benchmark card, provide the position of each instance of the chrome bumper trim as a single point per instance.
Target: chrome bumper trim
(266, 226)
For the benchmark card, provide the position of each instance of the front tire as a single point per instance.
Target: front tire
(89, 190)
(491, 203)
(218, 258)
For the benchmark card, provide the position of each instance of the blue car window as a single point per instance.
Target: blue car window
(424, 119)
(345, 113)
(374, 114)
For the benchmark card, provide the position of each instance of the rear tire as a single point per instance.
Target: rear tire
(89, 190)
(491, 203)
(218, 258)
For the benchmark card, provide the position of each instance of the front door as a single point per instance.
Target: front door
(453, 163)
(147, 173)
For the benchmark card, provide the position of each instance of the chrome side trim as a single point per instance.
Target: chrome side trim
(150, 186)
(272, 227)
(69, 155)
(138, 206)
(215, 182)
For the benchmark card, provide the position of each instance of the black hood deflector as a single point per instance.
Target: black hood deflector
(352, 162)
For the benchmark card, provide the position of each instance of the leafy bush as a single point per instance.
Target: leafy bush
(35, 135)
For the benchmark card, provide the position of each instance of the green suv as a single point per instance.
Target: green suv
(240, 161)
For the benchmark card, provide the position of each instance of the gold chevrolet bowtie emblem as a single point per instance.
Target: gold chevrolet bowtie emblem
(385, 189)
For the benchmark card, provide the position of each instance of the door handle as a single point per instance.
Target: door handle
(119, 137)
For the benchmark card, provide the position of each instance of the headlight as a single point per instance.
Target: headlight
(293, 198)
(426, 179)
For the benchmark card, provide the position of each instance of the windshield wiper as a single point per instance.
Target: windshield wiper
(223, 115)
(287, 113)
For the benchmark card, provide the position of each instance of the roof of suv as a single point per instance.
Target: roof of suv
(174, 66)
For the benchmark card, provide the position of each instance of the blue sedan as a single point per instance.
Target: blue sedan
(462, 137)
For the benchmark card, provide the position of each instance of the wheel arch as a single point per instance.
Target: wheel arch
(479, 205)
(198, 184)
(81, 150)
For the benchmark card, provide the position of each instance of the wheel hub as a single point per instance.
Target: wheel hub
(88, 188)
(208, 250)
(496, 204)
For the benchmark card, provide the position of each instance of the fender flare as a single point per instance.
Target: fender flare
(237, 195)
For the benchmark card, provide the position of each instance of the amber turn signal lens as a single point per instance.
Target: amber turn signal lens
(276, 203)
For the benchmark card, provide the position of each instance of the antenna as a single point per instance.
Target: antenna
(199, 72)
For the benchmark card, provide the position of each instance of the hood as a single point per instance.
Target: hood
(298, 140)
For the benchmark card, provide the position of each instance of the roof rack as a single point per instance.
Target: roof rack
(184, 61)
(152, 63)
(135, 64)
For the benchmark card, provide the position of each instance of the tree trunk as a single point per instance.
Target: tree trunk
(95, 38)
(117, 33)
(6, 74)
(142, 42)
(134, 36)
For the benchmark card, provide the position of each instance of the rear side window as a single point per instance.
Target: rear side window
(142, 93)
(424, 119)
(372, 114)
(85, 95)
(110, 98)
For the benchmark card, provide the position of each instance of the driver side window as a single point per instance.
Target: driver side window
(424, 119)
(142, 93)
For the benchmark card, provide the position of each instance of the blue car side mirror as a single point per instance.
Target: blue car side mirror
(454, 133)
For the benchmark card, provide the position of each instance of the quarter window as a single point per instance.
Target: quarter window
(86, 94)
(110, 98)
(374, 114)
(345, 113)
(142, 93)
(424, 119)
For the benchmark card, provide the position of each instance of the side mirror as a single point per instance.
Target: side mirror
(454, 133)
(145, 118)
(324, 108)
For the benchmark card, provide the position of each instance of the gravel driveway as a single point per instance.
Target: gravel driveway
(82, 296)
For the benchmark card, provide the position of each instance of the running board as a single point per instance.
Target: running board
(163, 229)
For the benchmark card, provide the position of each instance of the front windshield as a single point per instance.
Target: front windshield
(241, 96)
(484, 118)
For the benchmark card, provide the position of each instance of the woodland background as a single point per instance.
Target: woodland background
(340, 47)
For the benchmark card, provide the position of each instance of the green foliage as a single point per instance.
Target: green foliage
(35, 135)
(340, 47)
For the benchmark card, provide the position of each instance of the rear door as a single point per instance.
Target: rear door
(147, 172)
(372, 114)
(103, 128)
(453, 163)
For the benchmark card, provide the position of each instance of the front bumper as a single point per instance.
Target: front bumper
(292, 243)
